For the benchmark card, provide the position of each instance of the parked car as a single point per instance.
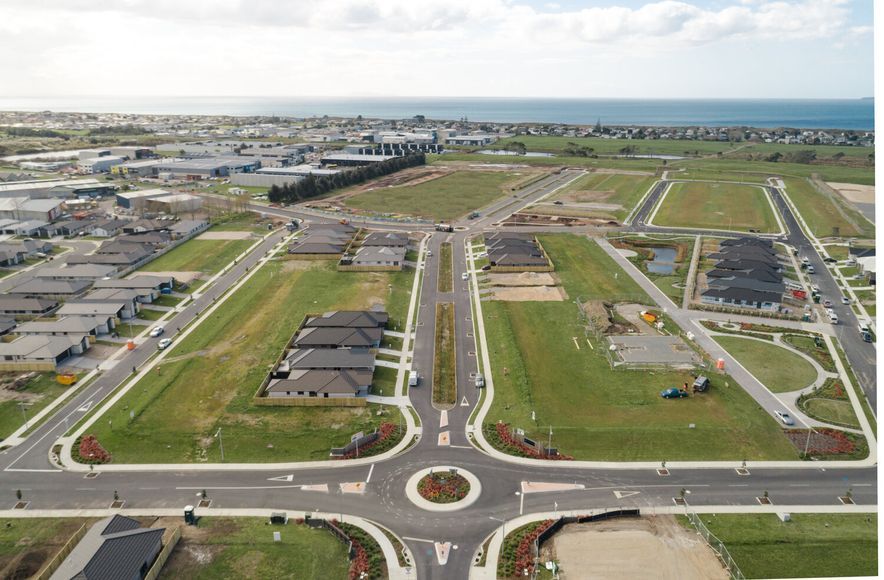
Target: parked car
(164, 344)
(486, 267)
(156, 331)
(480, 380)
(673, 393)
(558, 202)
(827, 303)
(785, 417)
(429, 253)
(845, 300)
(465, 276)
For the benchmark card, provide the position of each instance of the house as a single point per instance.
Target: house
(114, 548)
(47, 288)
(378, 257)
(128, 298)
(157, 239)
(40, 352)
(327, 359)
(350, 319)
(21, 307)
(132, 255)
(107, 228)
(29, 228)
(321, 383)
(763, 274)
(743, 298)
(71, 227)
(91, 325)
(148, 287)
(121, 309)
(338, 337)
(76, 272)
(388, 239)
(321, 250)
(186, 229)
(7, 325)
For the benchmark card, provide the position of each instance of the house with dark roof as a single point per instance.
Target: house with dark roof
(334, 359)
(40, 352)
(388, 239)
(16, 306)
(338, 337)
(350, 319)
(321, 383)
(380, 257)
(115, 548)
(742, 298)
(58, 289)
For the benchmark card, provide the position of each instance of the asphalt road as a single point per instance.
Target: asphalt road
(26, 467)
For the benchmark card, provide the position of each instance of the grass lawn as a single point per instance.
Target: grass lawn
(383, 382)
(37, 394)
(27, 544)
(718, 175)
(445, 282)
(837, 251)
(444, 372)
(239, 222)
(836, 173)
(723, 206)
(148, 314)
(207, 256)
(624, 190)
(780, 370)
(167, 300)
(810, 546)
(555, 144)
(598, 413)
(210, 377)
(444, 198)
(824, 212)
(244, 548)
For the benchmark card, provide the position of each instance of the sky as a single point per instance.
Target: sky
(483, 48)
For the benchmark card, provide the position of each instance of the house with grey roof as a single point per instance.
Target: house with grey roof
(350, 319)
(92, 325)
(388, 239)
(114, 548)
(338, 337)
(17, 306)
(149, 286)
(119, 309)
(321, 383)
(742, 298)
(40, 352)
(327, 359)
(76, 272)
(377, 257)
(58, 289)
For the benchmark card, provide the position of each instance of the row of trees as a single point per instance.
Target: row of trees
(311, 186)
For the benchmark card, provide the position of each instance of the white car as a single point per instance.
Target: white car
(156, 331)
(786, 418)
(845, 300)
(465, 276)
(164, 344)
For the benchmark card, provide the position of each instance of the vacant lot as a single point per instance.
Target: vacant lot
(780, 370)
(444, 198)
(826, 214)
(33, 396)
(212, 375)
(810, 546)
(606, 194)
(723, 206)
(207, 256)
(27, 544)
(598, 413)
(244, 548)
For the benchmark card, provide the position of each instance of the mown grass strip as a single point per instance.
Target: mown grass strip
(445, 282)
(444, 377)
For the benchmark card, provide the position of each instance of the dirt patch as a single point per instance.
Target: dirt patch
(182, 277)
(411, 176)
(530, 294)
(629, 548)
(523, 279)
(853, 192)
(298, 265)
(224, 236)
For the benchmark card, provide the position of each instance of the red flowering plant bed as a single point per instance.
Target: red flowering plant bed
(501, 437)
(89, 450)
(389, 435)
(829, 443)
(443, 487)
(517, 554)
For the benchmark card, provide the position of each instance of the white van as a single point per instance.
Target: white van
(413, 378)
(480, 380)
(833, 318)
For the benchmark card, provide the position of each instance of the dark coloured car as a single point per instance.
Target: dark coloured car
(673, 393)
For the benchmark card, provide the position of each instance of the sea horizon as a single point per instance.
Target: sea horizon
(811, 113)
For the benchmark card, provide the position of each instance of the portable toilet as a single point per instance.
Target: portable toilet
(189, 516)
(719, 364)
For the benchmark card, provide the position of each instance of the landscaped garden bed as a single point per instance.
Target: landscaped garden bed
(517, 554)
(829, 444)
(830, 404)
(443, 487)
(369, 562)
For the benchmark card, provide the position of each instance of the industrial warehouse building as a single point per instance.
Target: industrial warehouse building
(174, 204)
(60, 188)
(136, 200)
(99, 164)
(208, 167)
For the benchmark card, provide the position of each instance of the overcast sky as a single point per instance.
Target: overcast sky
(569, 48)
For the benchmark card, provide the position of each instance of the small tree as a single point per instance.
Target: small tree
(18, 494)
(116, 496)
(204, 495)
(765, 495)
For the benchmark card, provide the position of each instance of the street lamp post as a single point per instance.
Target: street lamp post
(220, 443)
(24, 414)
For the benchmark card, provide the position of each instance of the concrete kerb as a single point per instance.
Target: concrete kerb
(368, 526)
(483, 445)
(492, 556)
(414, 496)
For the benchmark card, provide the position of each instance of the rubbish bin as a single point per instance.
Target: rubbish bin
(189, 516)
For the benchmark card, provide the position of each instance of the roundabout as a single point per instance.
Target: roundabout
(443, 488)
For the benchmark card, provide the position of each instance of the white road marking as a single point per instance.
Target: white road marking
(621, 494)
(370, 470)
(418, 540)
(85, 406)
(464, 402)
(290, 477)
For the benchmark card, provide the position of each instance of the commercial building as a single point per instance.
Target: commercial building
(143, 168)
(208, 167)
(99, 164)
(136, 200)
(174, 204)
(59, 188)
(23, 208)
(354, 159)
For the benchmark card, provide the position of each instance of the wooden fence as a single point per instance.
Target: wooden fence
(55, 562)
(170, 540)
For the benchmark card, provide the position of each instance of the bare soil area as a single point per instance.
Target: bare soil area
(523, 279)
(224, 236)
(182, 277)
(853, 192)
(530, 294)
(624, 549)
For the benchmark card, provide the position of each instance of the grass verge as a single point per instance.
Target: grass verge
(778, 369)
(444, 371)
(446, 281)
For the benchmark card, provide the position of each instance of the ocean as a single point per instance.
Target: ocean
(857, 114)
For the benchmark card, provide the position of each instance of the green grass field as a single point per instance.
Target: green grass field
(27, 544)
(714, 175)
(444, 198)
(810, 546)
(244, 548)
(206, 256)
(210, 377)
(823, 212)
(444, 363)
(623, 189)
(445, 281)
(637, 164)
(780, 370)
(837, 173)
(598, 413)
(36, 395)
(554, 144)
(722, 206)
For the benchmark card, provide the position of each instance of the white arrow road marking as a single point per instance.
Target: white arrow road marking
(85, 407)
(622, 494)
(464, 402)
(290, 477)
(442, 551)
